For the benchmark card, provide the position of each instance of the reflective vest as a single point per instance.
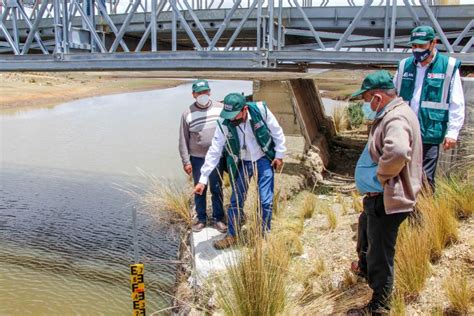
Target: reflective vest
(433, 112)
(260, 130)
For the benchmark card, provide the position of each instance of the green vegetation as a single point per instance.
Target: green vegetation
(355, 115)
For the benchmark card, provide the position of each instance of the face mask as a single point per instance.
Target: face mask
(202, 99)
(369, 114)
(421, 54)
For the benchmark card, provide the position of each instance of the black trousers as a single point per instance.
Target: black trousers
(377, 237)
(430, 160)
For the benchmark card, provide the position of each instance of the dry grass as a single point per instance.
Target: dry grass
(439, 223)
(279, 200)
(309, 206)
(255, 279)
(357, 202)
(331, 217)
(340, 199)
(412, 266)
(341, 121)
(165, 200)
(397, 305)
(293, 244)
(460, 294)
(459, 193)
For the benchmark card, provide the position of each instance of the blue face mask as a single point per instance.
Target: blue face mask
(420, 54)
(369, 114)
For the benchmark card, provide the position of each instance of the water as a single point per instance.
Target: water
(65, 228)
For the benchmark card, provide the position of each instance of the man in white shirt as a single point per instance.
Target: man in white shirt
(253, 143)
(430, 82)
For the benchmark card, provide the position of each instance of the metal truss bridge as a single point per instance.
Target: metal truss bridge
(69, 35)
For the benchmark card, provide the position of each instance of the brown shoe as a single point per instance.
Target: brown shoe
(198, 227)
(226, 242)
(221, 227)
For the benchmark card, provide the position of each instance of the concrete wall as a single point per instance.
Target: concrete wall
(298, 107)
(278, 97)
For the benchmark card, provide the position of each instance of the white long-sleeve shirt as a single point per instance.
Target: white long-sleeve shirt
(456, 102)
(253, 152)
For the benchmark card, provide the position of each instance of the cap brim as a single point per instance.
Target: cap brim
(229, 115)
(419, 41)
(359, 92)
(200, 89)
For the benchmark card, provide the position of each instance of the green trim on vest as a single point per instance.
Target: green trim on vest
(433, 112)
(260, 130)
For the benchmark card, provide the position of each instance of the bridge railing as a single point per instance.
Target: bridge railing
(276, 32)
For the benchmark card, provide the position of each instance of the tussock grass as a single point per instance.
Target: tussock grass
(439, 223)
(331, 218)
(293, 244)
(167, 201)
(457, 192)
(412, 266)
(254, 282)
(357, 202)
(279, 200)
(460, 294)
(341, 121)
(309, 206)
(397, 305)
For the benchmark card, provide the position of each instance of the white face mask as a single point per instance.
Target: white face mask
(202, 99)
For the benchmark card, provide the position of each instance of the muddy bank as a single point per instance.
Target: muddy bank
(34, 90)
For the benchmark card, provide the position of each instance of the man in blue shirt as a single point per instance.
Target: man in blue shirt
(388, 173)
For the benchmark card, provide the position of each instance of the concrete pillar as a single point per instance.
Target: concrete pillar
(298, 107)
(277, 94)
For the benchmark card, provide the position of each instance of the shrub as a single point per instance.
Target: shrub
(458, 192)
(355, 115)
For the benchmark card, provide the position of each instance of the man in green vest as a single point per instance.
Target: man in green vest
(430, 82)
(253, 144)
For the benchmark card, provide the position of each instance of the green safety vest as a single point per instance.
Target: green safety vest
(260, 130)
(433, 112)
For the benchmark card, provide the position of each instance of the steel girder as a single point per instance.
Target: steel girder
(179, 34)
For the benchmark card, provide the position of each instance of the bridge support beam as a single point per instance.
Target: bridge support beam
(298, 106)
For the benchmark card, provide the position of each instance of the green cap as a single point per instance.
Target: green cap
(422, 35)
(233, 104)
(381, 79)
(200, 85)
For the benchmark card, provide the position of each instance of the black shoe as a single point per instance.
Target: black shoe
(368, 310)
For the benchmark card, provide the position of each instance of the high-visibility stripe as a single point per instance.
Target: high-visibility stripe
(435, 105)
(401, 71)
(447, 79)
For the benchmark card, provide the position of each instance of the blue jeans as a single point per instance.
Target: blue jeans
(265, 183)
(215, 185)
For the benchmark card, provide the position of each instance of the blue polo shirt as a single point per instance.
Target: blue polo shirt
(366, 171)
(366, 174)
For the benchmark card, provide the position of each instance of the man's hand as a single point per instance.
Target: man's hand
(188, 169)
(277, 163)
(449, 143)
(199, 188)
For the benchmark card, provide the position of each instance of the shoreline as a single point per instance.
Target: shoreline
(28, 91)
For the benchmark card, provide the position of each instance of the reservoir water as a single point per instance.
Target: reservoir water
(65, 227)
